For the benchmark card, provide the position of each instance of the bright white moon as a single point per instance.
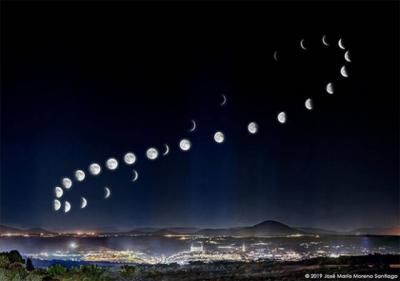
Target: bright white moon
(67, 183)
(252, 127)
(152, 153)
(80, 175)
(343, 71)
(309, 104)
(56, 205)
(58, 191)
(185, 144)
(330, 88)
(340, 43)
(67, 207)
(107, 192)
(136, 175)
(95, 169)
(166, 150)
(219, 137)
(130, 158)
(282, 117)
(324, 41)
(83, 202)
(347, 56)
(112, 164)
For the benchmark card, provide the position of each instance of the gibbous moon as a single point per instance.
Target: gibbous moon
(129, 158)
(223, 100)
(166, 150)
(83, 202)
(282, 117)
(324, 41)
(347, 56)
(152, 153)
(302, 44)
(344, 72)
(185, 144)
(80, 175)
(58, 192)
(56, 205)
(136, 175)
(67, 183)
(219, 137)
(112, 164)
(193, 126)
(95, 169)
(309, 104)
(330, 88)
(107, 192)
(67, 207)
(276, 55)
(252, 128)
(340, 43)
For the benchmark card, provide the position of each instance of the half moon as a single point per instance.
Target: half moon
(56, 205)
(330, 88)
(223, 100)
(193, 126)
(67, 207)
(324, 41)
(83, 202)
(276, 55)
(166, 150)
(302, 44)
(340, 43)
(343, 71)
(107, 192)
(347, 56)
(58, 192)
(136, 176)
(309, 104)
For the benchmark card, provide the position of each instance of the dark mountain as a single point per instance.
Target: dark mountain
(8, 229)
(395, 231)
(30, 231)
(321, 231)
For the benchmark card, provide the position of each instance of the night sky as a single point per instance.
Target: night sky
(82, 82)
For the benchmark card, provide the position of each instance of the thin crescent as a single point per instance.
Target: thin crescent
(276, 55)
(324, 41)
(108, 192)
(166, 150)
(340, 43)
(224, 100)
(191, 129)
(67, 207)
(84, 202)
(347, 56)
(136, 175)
(302, 44)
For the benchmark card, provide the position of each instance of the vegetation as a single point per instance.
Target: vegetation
(14, 268)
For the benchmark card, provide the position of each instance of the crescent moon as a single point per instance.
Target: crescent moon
(276, 55)
(193, 126)
(107, 192)
(166, 150)
(67, 207)
(83, 202)
(343, 71)
(136, 176)
(309, 104)
(330, 88)
(302, 44)
(340, 43)
(223, 101)
(324, 41)
(347, 56)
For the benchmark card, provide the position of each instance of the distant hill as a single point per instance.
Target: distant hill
(378, 231)
(266, 228)
(30, 231)
(314, 230)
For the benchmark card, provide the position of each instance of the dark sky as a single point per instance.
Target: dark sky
(82, 82)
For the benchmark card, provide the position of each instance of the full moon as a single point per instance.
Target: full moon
(112, 164)
(79, 175)
(67, 183)
(344, 72)
(252, 128)
(58, 191)
(95, 169)
(129, 158)
(309, 104)
(185, 144)
(282, 117)
(56, 205)
(219, 137)
(330, 88)
(152, 153)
